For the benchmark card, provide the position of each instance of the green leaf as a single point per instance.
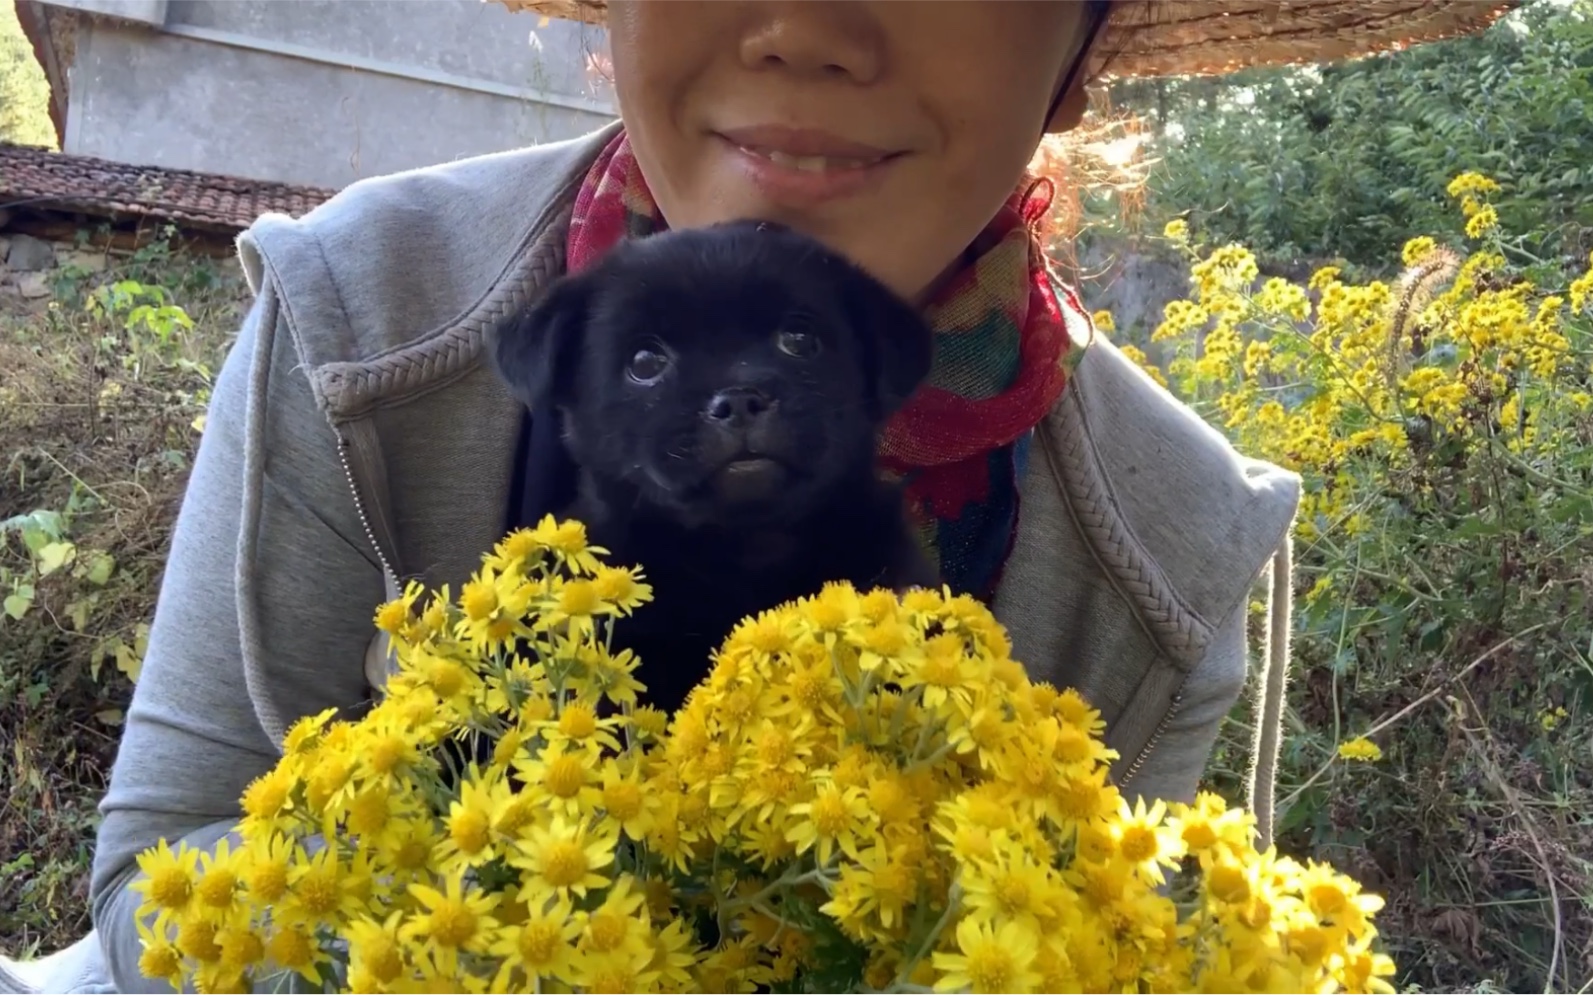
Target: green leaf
(1432, 635)
(21, 863)
(34, 538)
(78, 612)
(53, 556)
(47, 523)
(130, 659)
(1394, 625)
(128, 662)
(98, 567)
(20, 601)
(110, 716)
(1304, 811)
(1571, 509)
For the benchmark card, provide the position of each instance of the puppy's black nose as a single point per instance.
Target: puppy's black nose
(737, 407)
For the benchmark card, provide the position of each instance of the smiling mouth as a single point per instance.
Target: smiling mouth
(802, 168)
(805, 150)
(814, 163)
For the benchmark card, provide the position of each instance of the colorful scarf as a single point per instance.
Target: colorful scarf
(1002, 356)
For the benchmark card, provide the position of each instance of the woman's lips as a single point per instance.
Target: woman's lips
(800, 168)
(802, 142)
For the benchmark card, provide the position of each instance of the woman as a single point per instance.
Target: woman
(356, 439)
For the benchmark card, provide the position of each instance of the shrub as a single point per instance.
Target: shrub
(1344, 159)
(1443, 427)
(24, 92)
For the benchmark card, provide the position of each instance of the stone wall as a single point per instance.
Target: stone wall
(1134, 282)
(27, 264)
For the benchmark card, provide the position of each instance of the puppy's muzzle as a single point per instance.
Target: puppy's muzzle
(742, 422)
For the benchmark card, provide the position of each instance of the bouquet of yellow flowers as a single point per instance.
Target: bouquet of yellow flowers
(866, 793)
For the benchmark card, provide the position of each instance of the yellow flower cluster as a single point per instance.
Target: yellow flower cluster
(1375, 369)
(1472, 190)
(1360, 748)
(1582, 288)
(1482, 221)
(864, 793)
(1417, 250)
(1279, 296)
(1226, 272)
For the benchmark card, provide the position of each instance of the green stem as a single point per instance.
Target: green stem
(728, 906)
(953, 902)
(1395, 582)
(852, 692)
(723, 907)
(864, 686)
(929, 761)
(628, 712)
(898, 720)
(918, 746)
(1538, 475)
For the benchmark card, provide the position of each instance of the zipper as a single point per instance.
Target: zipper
(388, 573)
(1150, 744)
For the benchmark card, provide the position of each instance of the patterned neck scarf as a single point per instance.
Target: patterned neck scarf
(1002, 357)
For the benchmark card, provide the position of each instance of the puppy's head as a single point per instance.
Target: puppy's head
(735, 373)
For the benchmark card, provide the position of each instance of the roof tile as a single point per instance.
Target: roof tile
(36, 177)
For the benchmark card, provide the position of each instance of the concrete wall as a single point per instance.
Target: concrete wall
(146, 11)
(324, 92)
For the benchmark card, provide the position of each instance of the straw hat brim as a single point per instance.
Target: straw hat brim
(1206, 37)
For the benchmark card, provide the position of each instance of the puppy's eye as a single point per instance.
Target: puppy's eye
(797, 342)
(647, 366)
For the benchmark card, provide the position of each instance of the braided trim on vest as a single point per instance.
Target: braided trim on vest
(435, 360)
(1179, 632)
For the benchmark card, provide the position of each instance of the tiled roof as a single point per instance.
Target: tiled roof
(39, 178)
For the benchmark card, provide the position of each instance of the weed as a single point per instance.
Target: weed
(1443, 706)
(101, 407)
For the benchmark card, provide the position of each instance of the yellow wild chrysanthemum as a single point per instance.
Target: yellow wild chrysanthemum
(990, 959)
(509, 817)
(449, 921)
(1360, 748)
(1483, 220)
(1471, 183)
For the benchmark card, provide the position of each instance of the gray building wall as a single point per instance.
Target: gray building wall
(324, 92)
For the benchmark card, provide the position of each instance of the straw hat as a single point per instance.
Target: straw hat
(1188, 37)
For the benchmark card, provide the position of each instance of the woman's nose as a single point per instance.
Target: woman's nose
(838, 38)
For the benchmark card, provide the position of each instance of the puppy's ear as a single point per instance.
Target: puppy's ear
(897, 343)
(536, 351)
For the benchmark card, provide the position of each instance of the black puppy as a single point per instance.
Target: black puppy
(721, 392)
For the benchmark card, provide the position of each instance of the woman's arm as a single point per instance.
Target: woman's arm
(194, 738)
